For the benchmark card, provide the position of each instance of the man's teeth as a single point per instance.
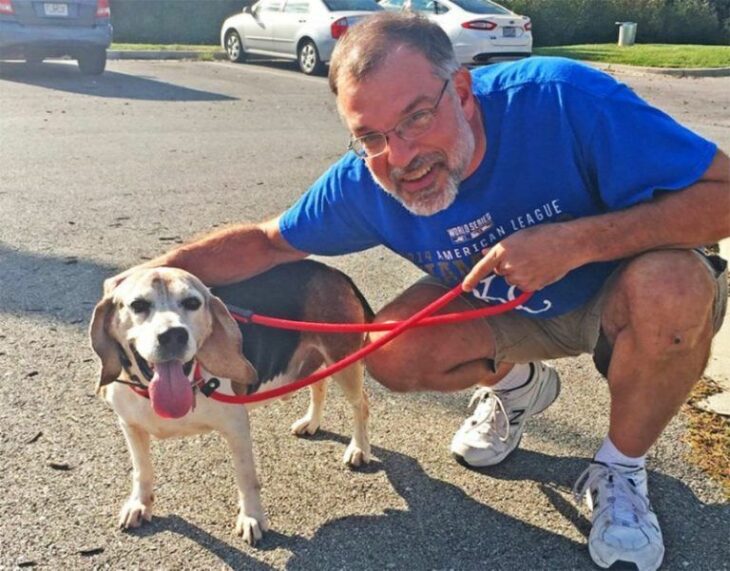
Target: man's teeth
(420, 173)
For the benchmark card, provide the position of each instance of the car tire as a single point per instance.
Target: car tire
(308, 58)
(234, 47)
(93, 61)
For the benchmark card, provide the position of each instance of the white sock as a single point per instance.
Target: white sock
(609, 454)
(516, 377)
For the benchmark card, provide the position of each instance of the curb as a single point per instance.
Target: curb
(673, 71)
(193, 55)
(164, 55)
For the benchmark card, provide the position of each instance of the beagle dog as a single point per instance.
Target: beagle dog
(163, 337)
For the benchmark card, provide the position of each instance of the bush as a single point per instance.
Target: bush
(171, 21)
(566, 22)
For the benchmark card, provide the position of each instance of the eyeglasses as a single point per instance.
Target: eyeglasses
(409, 129)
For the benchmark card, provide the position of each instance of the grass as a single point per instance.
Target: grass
(645, 55)
(708, 435)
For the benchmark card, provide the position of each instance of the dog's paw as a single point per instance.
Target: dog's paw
(251, 528)
(305, 425)
(356, 456)
(134, 512)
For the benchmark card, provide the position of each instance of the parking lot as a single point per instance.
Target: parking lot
(101, 173)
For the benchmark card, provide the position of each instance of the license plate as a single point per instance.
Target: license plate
(58, 10)
(509, 31)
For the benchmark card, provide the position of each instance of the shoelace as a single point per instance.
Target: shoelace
(624, 497)
(487, 395)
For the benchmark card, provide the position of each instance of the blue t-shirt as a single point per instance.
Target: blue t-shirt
(564, 141)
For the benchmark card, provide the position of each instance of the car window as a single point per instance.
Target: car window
(297, 6)
(439, 8)
(482, 7)
(341, 5)
(392, 5)
(270, 6)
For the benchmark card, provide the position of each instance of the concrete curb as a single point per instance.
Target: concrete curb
(676, 72)
(193, 55)
(164, 54)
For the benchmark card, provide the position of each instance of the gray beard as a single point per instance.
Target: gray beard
(435, 199)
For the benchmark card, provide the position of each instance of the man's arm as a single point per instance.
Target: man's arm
(536, 257)
(227, 255)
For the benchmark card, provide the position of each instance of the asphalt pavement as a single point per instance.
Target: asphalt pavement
(100, 173)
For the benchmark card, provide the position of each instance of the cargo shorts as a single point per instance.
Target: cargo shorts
(520, 339)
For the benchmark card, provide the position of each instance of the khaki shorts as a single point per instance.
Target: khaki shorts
(519, 339)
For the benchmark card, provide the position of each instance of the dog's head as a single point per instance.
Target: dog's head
(167, 317)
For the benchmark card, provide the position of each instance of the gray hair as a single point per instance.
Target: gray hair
(366, 45)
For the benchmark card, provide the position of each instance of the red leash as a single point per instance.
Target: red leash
(244, 316)
(421, 318)
(418, 319)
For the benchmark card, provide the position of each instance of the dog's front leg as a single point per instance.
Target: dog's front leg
(139, 505)
(252, 522)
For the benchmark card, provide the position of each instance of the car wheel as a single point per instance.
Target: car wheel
(308, 58)
(93, 61)
(234, 47)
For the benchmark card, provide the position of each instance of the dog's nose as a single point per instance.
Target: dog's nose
(173, 337)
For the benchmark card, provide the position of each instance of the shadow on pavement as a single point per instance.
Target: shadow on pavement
(228, 554)
(53, 288)
(65, 76)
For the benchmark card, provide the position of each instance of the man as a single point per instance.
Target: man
(542, 175)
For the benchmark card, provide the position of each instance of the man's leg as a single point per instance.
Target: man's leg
(457, 356)
(444, 358)
(658, 319)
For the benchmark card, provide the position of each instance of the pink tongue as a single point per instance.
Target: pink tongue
(170, 390)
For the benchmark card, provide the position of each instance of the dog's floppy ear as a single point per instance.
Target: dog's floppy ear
(103, 344)
(222, 351)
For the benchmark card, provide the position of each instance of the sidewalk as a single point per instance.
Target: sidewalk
(719, 367)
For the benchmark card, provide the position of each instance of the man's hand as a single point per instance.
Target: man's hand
(529, 259)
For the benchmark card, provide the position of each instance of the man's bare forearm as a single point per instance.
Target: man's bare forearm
(231, 254)
(695, 216)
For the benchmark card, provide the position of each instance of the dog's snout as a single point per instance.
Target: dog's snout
(173, 337)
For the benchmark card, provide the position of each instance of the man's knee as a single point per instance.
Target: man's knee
(665, 298)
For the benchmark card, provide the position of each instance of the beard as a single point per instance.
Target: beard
(442, 192)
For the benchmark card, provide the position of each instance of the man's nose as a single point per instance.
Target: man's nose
(400, 152)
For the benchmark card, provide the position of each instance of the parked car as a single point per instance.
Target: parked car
(480, 30)
(301, 30)
(34, 30)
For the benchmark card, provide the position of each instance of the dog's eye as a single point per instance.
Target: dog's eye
(191, 303)
(140, 306)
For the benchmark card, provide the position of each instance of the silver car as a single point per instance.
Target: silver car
(301, 30)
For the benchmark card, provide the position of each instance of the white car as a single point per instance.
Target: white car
(480, 30)
(302, 30)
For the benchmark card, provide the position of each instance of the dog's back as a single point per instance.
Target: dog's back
(302, 291)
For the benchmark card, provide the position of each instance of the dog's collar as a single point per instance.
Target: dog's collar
(141, 365)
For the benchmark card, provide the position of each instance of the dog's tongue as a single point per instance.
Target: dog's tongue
(170, 390)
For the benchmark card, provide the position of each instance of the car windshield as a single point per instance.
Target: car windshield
(481, 7)
(345, 5)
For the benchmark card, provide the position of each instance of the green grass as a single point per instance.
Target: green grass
(646, 55)
(166, 47)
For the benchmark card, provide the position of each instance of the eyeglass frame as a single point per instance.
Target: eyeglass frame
(384, 134)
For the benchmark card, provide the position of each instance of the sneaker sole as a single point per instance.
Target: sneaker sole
(501, 458)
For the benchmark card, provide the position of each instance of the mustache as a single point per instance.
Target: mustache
(417, 163)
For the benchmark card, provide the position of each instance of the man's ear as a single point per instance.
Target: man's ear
(103, 343)
(463, 85)
(222, 352)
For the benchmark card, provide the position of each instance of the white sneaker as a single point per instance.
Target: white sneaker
(495, 428)
(625, 528)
